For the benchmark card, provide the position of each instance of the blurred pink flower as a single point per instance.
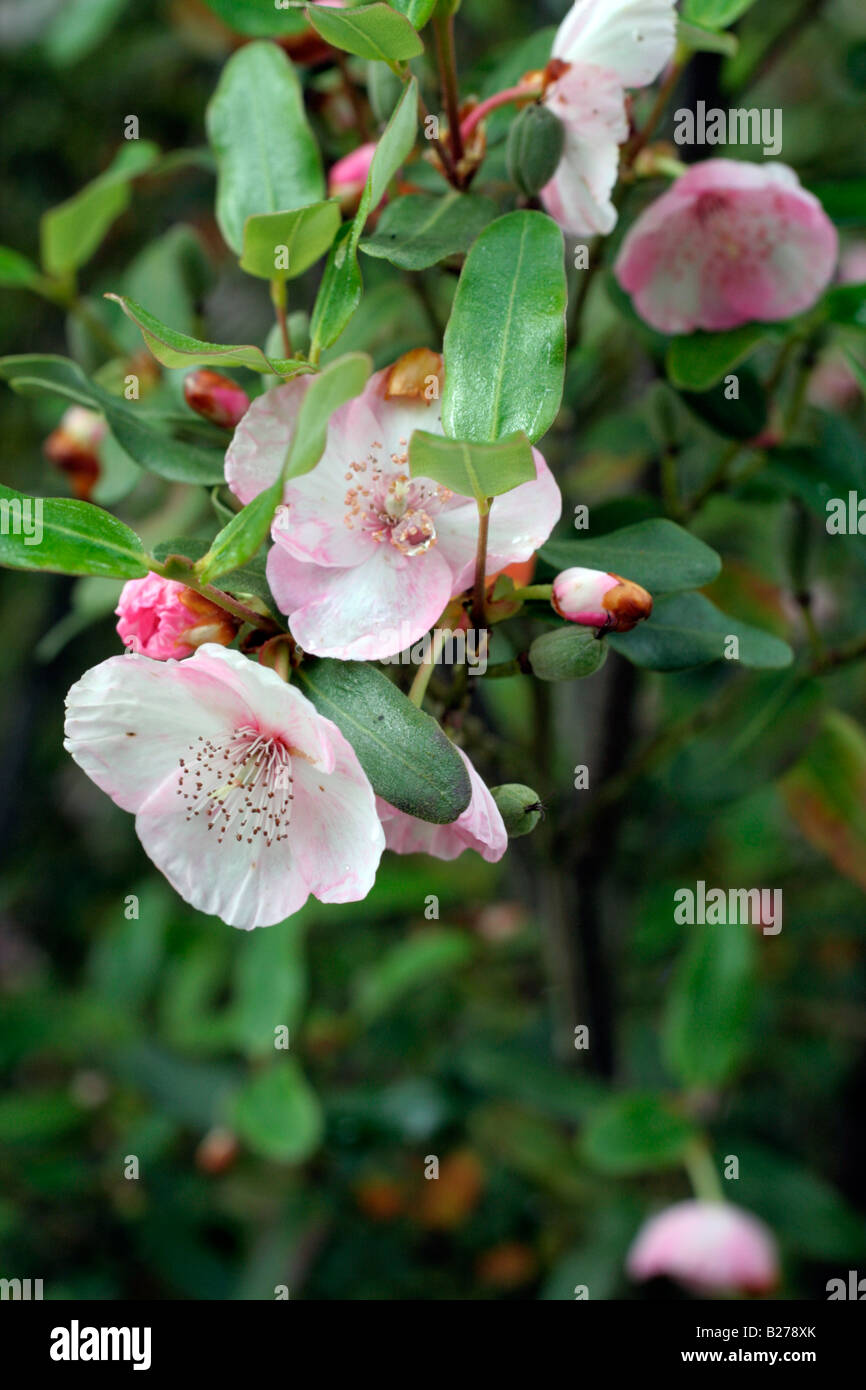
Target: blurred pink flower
(365, 558)
(605, 47)
(708, 1246)
(480, 827)
(244, 796)
(347, 177)
(597, 599)
(163, 619)
(728, 243)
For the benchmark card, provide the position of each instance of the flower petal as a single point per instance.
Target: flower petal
(480, 827)
(590, 102)
(635, 38)
(338, 839)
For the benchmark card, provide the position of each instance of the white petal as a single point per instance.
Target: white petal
(635, 38)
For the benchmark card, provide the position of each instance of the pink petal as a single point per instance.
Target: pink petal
(480, 827)
(362, 614)
(728, 244)
(336, 846)
(634, 38)
(709, 1246)
(259, 444)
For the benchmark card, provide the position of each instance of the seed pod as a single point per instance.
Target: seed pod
(535, 144)
(519, 808)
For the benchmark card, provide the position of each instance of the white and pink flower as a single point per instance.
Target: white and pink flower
(480, 827)
(728, 243)
(164, 619)
(593, 598)
(708, 1246)
(602, 48)
(244, 796)
(362, 550)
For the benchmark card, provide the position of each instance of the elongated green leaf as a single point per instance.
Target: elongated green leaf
(473, 470)
(416, 962)
(270, 986)
(697, 361)
(697, 38)
(239, 540)
(267, 159)
(708, 1016)
(70, 233)
(505, 340)
(688, 630)
(370, 31)
(68, 537)
(636, 1133)
(249, 579)
(570, 653)
(175, 349)
(657, 554)
(259, 19)
(140, 434)
(79, 27)
(282, 245)
(340, 291)
(278, 1114)
(418, 12)
(421, 229)
(715, 14)
(16, 272)
(405, 754)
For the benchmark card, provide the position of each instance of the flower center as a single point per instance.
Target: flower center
(243, 782)
(390, 506)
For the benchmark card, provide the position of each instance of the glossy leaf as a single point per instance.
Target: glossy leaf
(658, 554)
(66, 537)
(70, 233)
(370, 31)
(418, 12)
(472, 470)
(715, 14)
(267, 159)
(420, 229)
(697, 361)
(175, 349)
(405, 754)
(505, 341)
(305, 233)
(688, 630)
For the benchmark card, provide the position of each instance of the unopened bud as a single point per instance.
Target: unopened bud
(519, 807)
(215, 397)
(596, 599)
(74, 448)
(418, 374)
(535, 144)
(163, 619)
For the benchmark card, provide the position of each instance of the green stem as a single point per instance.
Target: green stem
(419, 685)
(540, 591)
(279, 295)
(176, 568)
(479, 599)
(699, 1165)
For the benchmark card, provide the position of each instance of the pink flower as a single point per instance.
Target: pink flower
(602, 47)
(244, 796)
(480, 827)
(348, 176)
(596, 599)
(366, 558)
(708, 1246)
(217, 398)
(727, 244)
(163, 619)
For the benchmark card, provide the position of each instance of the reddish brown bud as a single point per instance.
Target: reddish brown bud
(215, 397)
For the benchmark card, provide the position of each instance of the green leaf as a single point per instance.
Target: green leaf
(697, 361)
(428, 955)
(70, 233)
(340, 291)
(239, 540)
(846, 304)
(66, 537)
(267, 159)
(336, 384)
(418, 12)
(278, 1114)
(636, 1133)
(136, 431)
(505, 340)
(656, 554)
(175, 349)
(698, 39)
(370, 31)
(472, 470)
(306, 233)
(405, 754)
(688, 630)
(16, 272)
(569, 653)
(825, 793)
(707, 1023)
(421, 229)
(247, 579)
(79, 27)
(715, 14)
(270, 982)
(259, 19)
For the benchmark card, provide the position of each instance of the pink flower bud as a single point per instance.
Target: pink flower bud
(163, 619)
(74, 448)
(596, 599)
(215, 397)
(348, 176)
(708, 1246)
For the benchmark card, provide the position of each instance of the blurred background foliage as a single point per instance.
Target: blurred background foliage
(132, 1026)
